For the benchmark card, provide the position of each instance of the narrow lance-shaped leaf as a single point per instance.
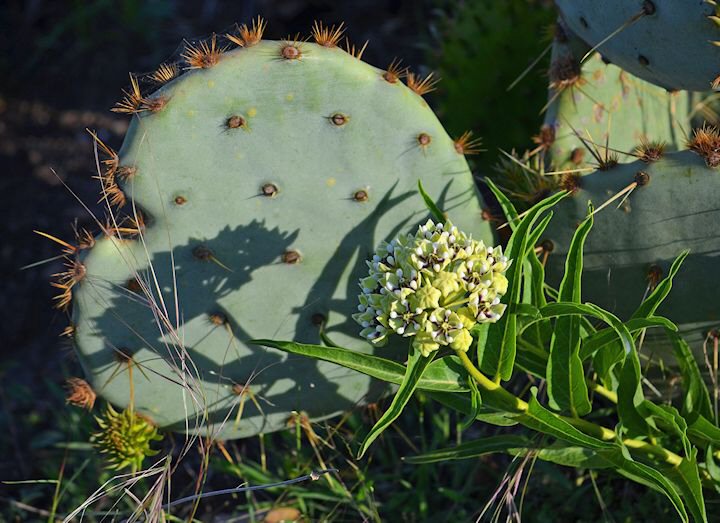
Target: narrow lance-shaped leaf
(436, 211)
(552, 310)
(686, 478)
(603, 337)
(542, 420)
(631, 397)
(497, 356)
(473, 449)
(704, 429)
(476, 404)
(646, 475)
(463, 404)
(444, 375)
(567, 389)
(696, 400)
(511, 214)
(648, 307)
(417, 363)
(605, 361)
(531, 273)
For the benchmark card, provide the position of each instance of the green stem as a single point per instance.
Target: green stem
(490, 389)
(504, 400)
(602, 391)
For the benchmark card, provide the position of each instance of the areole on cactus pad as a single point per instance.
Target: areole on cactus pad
(265, 176)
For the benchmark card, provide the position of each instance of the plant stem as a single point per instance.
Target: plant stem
(504, 400)
(489, 388)
(602, 391)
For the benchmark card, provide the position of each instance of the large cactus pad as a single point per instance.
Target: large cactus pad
(674, 207)
(268, 178)
(671, 43)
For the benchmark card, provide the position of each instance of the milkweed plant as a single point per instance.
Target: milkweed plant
(476, 322)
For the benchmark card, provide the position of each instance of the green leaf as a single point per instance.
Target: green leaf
(472, 449)
(645, 475)
(524, 309)
(476, 405)
(542, 420)
(712, 468)
(567, 389)
(705, 430)
(511, 214)
(697, 398)
(534, 293)
(686, 477)
(463, 404)
(532, 360)
(497, 356)
(652, 302)
(631, 397)
(445, 374)
(553, 310)
(437, 213)
(669, 419)
(417, 363)
(567, 455)
(599, 339)
(536, 233)
(605, 361)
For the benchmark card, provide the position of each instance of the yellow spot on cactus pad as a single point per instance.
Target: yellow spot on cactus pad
(191, 113)
(331, 182)
(290, 97)
(252, 112)
(211, 84)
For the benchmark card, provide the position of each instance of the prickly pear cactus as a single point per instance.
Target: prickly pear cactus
(606, 106)
(671, 43)
(266, 175)
(673, 207)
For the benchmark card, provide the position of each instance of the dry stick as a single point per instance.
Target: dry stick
(529, 67)
(628, 189)
(314, 476)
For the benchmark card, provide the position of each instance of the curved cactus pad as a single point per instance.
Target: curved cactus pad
(268, 178)
(630, 248)
(607, 106)
(671, 43)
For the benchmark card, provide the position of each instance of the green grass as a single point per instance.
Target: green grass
(61, 470)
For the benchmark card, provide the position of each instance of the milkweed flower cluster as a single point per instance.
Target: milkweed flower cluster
(434, 286)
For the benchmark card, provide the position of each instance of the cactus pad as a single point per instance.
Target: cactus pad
(606, 106)
(631, 247)
(267, 175)
(670, 43)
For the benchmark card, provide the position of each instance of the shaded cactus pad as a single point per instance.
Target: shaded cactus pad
(630, 248)
(671, 43)
(268, 178)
